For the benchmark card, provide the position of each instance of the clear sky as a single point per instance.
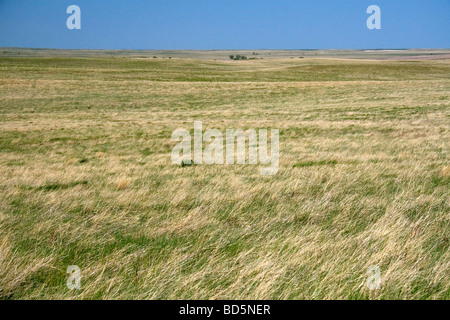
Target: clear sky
(225, 24)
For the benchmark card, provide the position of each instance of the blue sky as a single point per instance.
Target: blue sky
(225, 24)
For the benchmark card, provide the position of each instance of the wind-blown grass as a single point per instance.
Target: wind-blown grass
(87, 179)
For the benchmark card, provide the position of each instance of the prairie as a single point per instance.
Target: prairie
(87, 180)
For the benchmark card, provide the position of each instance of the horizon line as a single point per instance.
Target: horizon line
(236, 49)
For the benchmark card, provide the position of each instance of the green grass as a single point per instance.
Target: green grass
(314, 163)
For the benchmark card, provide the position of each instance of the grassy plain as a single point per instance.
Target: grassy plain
(86, 179)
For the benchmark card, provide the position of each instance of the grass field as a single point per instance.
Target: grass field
(87, 180)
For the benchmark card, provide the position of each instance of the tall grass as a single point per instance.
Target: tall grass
(87, 179)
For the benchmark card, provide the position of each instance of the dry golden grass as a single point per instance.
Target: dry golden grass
(445, 172)
(87, 180)
(122, 183)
